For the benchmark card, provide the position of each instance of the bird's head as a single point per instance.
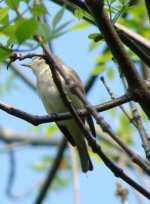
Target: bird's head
(37, 64)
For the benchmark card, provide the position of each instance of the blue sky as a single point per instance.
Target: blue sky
(97, 186)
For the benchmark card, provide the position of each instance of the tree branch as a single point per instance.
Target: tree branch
(52, 172)
(95, 147)
(8, 136)
(136, 49)
(137, 86)
(36, 120)
(141, 42)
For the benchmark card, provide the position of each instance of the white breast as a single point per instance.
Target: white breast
(50, 96)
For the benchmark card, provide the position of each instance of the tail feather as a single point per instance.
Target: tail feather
(86, 163)
(78, 141)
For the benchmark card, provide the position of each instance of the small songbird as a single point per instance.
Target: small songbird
(53, 103)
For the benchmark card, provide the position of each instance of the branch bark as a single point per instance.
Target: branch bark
(95, 147)
(36, 120)
(136, 85)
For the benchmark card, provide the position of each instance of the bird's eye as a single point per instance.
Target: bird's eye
(39, 58)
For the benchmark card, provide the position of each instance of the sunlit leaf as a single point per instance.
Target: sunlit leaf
(80, 26)
(3, 12)
(39, 10)
(104, 58)
(26, 29)
(99, 69)
(61, 27)
(43, 29)
(96, 37)
(110, 73)
(51, 130)
(9, 30)
(4, 21)
(58, 17)
(55, 35)
(79, 13)
(4, 53)
(39, 166)
(13, 4)
(94, 45)
(27, 1)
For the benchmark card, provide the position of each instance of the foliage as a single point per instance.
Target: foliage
(22, 21)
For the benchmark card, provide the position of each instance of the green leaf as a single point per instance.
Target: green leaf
(93, 35)
(3, 12)
(4, 53)
(43, 29)
(51, 130)
(58, 17)
(5, 21)
(9, 30)
(26, 29)
(112, 1)
(57, 32)
(11, 40)
(110, 73)
(96, 37)
(27, 1)
(54, 35)
(13, 4)
(61, 27)
(104, 58)
(79, 13)
(129, 8)
(39, 166)
(94, 45)
(99, 69)
(43, 164)
(80, 26)
(122, 1)
(39, 10)
(60, 183)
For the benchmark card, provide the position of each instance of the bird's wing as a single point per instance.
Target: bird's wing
(89, 119)
(75, 77)
(66, 133)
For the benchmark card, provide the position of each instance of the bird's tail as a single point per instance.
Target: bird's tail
(86, 163)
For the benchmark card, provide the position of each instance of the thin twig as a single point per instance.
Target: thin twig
(113, 96)
(143, 133)
(95, 147)
(36, 120)
(136, 85)
(75, 172)
(52, 172)
(12, 172)
(136, 48)
(9, 136)
(140, 41)
(136, 121)
(100, 120)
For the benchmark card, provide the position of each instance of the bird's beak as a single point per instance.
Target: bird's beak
(29, 65)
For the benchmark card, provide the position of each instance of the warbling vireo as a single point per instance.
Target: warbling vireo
(53, 104)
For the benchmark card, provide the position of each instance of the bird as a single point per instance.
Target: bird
(53, 103)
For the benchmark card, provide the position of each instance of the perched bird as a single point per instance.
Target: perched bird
(53, 103)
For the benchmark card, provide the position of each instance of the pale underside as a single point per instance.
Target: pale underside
(53, 102)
